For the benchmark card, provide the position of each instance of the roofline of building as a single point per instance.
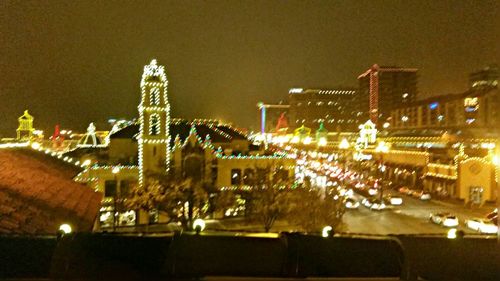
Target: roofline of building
(449, 97)
(386, 69)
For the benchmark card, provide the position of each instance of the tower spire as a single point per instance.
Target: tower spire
(154, 120)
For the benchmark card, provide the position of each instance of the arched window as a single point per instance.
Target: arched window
(154, 96)
(154, 125)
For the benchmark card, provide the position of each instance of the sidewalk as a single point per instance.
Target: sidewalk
(453, 203)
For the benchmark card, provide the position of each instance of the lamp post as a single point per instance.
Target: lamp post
(343, 146)
(382, 148)
(115, 172)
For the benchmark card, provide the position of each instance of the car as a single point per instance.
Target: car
(425, 196)
(394, 200)
(415, 193)
(482, 225)
(404, 189)
(493, 214)
(444, 219)
(378, 205)
(366, 202)
(351, 203)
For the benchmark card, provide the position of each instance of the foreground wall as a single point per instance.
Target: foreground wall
(111, 257)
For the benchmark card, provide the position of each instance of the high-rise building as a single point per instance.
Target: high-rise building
(382, 89)
(335, 108)
(486, 77)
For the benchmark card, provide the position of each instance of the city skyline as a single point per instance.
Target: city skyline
(67, 73)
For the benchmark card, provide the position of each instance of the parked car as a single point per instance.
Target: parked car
(482, 225)
(351, 203)
(404, 189)
(444, 219)
(493, 214)
(416, 193)
(366, 202)
(394, 200)
(372, 191)
(425, 196)
(378, 205)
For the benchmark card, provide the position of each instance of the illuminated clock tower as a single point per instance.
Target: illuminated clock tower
(154, 119)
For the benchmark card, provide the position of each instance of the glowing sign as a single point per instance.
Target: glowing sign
(295, 90)
(433, 105)
(471, 102)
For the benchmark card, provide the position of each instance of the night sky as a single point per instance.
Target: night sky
(76, 63)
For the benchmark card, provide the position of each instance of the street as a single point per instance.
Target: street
(412, 217)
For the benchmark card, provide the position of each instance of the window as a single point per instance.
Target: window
(154, 125)
(235, 176)
(154, 150)
(249, 177)
(154, 96)
(124, 188)
(109, 188)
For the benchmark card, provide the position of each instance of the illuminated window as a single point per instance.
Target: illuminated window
(249, 177)
(154, 125)
(470, 120)
(154, 96)
(235, 176)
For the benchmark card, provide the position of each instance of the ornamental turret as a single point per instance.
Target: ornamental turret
(154, 119)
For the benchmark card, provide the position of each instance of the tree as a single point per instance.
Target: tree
(181, 200)
(270, 196)
(312, 209)
(269, 203)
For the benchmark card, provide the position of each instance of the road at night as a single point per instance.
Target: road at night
(410, 218)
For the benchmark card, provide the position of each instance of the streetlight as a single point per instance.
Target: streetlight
(382, 148)
(115, 171)
(198, 225)
(327, 231)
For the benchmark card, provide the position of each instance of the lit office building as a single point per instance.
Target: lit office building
(382, 89)
(337, 109)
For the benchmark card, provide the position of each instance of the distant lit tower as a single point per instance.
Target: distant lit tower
(154, 119)
(382, 89)
(25, 129)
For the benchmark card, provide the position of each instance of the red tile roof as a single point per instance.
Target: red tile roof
(37, 194)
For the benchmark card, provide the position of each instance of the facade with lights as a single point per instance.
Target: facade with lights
(381, 89)
(337, 109)
(205, 150)
(475, 111)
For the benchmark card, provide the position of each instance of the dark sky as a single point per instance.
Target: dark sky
(76, 63)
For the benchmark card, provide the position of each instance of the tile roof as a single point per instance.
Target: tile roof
(218, 133)
(37, 194)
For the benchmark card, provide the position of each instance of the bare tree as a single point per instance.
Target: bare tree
(312, 209)
(270, 203)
